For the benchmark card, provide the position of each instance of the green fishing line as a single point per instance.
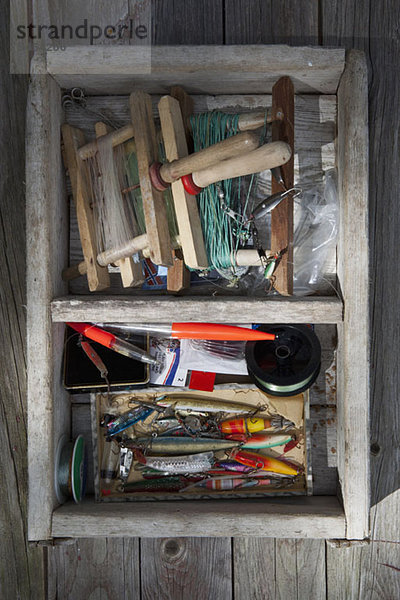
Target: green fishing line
(222, 215)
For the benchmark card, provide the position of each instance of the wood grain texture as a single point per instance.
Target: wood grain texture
(271, 22)
(186, 568)
(300, 517)
(154, 208)
(353, 333)
(187, 213)
(78, 171)
(152, 309)
(282, 217)
(287, 569)
(46, 233)
(22, 566)
(370, 571)
(104, 568)
(187, 22)
(219, 70)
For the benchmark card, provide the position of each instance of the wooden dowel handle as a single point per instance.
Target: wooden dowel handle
(233, 146)
(128, 249)
(266, 157)
(247, 121)
(248, 258)
(74, 271)
(117, 137)
(257, 119)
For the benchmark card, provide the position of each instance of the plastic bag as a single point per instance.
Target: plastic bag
(316, 228)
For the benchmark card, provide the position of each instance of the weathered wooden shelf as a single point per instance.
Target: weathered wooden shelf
(151, 309)
(330, 81)
(301, 517)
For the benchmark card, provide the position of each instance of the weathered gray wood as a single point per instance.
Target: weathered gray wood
(271, 22)
(46, 220)
(353, 333)
(105, 568)
(254, 568)
(300, 569)
(323, 436)
(151, 309)
(186, 568)
(303, 517)
(371, 571)
(22, 566)
(285, 569)
(187, 22)
(73, 12)
(220, 70)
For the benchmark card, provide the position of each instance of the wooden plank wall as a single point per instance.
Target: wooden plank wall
(22, 566)
(224, 568)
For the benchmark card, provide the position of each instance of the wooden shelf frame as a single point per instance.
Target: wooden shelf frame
(206, 70)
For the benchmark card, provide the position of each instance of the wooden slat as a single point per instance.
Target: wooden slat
(220, 69)
(187, 22)
(267, 569)
(153, 309)
(187, 214)
(255, 576)
(186, 568)
(22, 566)
(353, 349)
(282, 218)
(313, 517)
(102, 568)
(271, 22)
(46, 221)
(300, 569)
(73, 139)
(155, 213)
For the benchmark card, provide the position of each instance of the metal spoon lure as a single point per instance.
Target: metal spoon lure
(268, 204)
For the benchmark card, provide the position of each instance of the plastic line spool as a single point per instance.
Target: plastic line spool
(70, 469)
(288, 365)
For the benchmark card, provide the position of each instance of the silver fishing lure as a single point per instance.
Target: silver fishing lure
(125, 463)
(271, 202)
(176, 465)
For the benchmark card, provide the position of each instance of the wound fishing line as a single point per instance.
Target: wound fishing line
(70, 469)
(222, 206)
(288, 365)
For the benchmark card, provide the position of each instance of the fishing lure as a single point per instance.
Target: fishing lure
(232, 465)
(161, 484)
(253, 424)
(204, 405)
(268, 204)
(262, 440)
(125, 463)
(116, 424)
(231, 482)
(192, 463)
(222, 483)
(182, 445)
(265, 463)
